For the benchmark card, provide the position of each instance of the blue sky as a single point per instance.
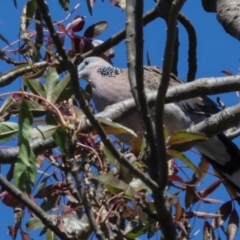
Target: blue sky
(216, 51)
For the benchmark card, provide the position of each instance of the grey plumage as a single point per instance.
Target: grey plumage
(111, 85)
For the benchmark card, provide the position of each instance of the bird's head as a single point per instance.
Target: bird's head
(90, 65)
(94, 68)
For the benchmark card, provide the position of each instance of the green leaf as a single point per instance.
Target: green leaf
(64, 4)
(4, 39)
(7, 130)
(110, 158)
(138, 231)
(33, 106)
(63, 90)
(96, 29)
(31, 8)
(33, 224)
(52, 79)
(7, 103)
(61, 139)
(60, 135)
(115, 186)
(50, 235)
(143, 148)
(115, 128)
(181, 137)
(24, 174)
(36, 87)
(185, 159)
(190, 197)
(43, 132)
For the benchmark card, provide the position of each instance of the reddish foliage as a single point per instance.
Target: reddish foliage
(10, 200)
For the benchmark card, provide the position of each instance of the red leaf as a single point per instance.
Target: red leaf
(10, 201)
(179, 210)
(175, 178)
(77, 24)
(211, 188)
(193, 182)
(25, 235)
(208, 232)
(191, 196)
(228, 73)
(225, 211)
(81, 44)
(182, 227)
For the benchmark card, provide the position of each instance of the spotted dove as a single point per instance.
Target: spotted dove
(111, 85)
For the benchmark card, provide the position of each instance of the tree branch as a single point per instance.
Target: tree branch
(160, 170)
(120, 36)
(45, 218)
(8, 77)
(118, 111)
(84, 106)
(134, 30)
(78, 95)
(192, 49)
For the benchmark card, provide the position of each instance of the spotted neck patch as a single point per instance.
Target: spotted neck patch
(108, 71)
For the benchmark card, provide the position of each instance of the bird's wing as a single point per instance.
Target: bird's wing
(198, 105)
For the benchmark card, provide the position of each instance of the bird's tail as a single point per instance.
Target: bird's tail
(224, 156)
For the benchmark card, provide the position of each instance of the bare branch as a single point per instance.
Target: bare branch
(120, 36)
(39, 146)
(43, 8)
(192, 50)
(84, 106)
(159, 108)
(45, 218)
(161, 171)
(120, 110)
(9, 60)
(10, 76)
(134, 30)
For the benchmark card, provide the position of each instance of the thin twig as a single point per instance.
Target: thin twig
(160, 100)
(56, 110)
(84, 106)
(145, 113)
(120, 110)
(81, 193)
(23, 198)
(192, 50)
(8, 77)
(164, 216)
(120, 36)
(43, 8)
(39, 34)
(9, 60)
(134, 40)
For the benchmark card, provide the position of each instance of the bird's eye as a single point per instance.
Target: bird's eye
(86, 62)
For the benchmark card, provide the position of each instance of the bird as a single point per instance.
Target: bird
(110, 85)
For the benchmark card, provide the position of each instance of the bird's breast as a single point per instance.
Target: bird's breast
(109, 91)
